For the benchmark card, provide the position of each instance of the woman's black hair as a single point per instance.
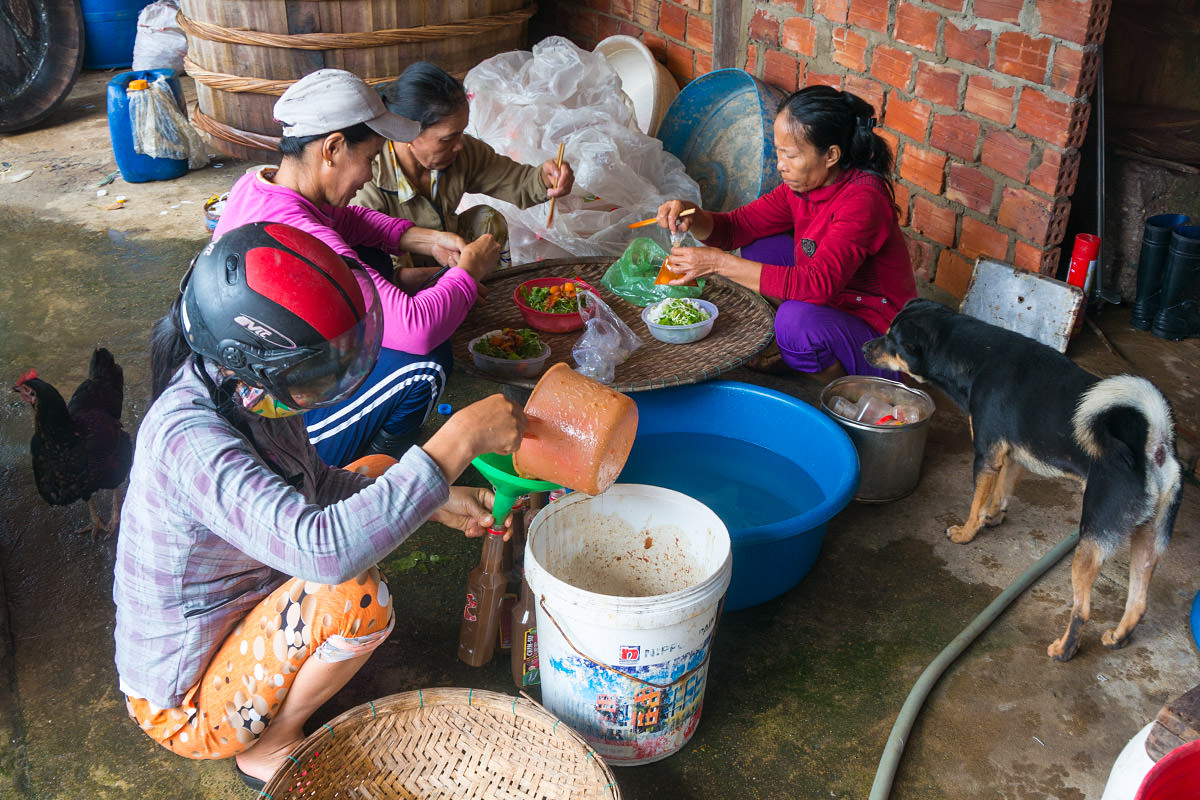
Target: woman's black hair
(826, 117)
(425, 93)
(294, 145)
(168, 349)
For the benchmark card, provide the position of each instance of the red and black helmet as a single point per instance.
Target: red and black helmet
(282, 311)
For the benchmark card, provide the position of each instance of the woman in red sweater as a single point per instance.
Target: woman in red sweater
(852, 273)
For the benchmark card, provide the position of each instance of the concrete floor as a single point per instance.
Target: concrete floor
(802, 690)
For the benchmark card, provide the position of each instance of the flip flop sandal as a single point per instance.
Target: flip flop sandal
(257, 784)
(769, 363)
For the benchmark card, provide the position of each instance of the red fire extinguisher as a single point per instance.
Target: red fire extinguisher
(1082, 270)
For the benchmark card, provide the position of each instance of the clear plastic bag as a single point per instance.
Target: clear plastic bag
(160, 130)
(525, 103)
(632, 275)
(160, 42)
(606, 341)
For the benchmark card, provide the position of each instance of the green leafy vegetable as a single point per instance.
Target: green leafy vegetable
(678, 311)
(510, 343)
(559, 299)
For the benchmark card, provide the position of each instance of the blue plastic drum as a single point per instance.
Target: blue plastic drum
(110, 29)
(721, 126)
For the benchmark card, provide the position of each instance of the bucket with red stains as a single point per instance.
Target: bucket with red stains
(628, 587)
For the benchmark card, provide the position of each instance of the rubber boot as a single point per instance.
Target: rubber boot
(1179, 316)
(1155, 240)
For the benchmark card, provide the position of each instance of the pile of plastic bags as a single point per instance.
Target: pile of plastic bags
(524, 104)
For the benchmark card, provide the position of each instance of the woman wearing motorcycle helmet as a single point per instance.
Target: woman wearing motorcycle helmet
(333, 125)
(245, 578)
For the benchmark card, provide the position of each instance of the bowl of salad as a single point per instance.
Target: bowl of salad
(680, 320)
(551, 304)
(510, 353)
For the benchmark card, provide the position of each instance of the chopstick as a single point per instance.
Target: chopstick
(652, 220)
(557, 163)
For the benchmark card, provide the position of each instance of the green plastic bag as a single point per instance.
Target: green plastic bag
(632, 275)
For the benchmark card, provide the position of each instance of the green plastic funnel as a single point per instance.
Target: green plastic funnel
(508, 486)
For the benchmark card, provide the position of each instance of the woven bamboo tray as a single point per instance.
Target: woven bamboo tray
(456, 744)
(744, 326)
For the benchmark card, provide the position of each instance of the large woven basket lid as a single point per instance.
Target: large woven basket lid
(445, 743)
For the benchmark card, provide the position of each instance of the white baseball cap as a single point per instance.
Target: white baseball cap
(331, 100)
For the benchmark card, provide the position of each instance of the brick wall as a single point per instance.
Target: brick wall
(985, 102)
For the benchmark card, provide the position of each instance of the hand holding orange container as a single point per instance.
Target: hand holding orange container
(578, 433)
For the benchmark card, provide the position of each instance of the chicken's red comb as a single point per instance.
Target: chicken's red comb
(28, 376)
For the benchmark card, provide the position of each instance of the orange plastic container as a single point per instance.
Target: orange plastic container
(579, 432)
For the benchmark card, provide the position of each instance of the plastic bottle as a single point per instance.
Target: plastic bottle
(844, 408)
(510, 565)
(872, 409)
(525, 668)
(481, 617)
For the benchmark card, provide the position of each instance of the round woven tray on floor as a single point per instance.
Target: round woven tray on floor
(744, 326)
(451, 744)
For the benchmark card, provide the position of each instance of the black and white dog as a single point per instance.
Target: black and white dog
(1030, 407)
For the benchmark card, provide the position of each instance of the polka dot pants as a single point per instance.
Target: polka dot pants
(251, 673)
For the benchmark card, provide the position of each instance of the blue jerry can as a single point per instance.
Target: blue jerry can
(136, 167)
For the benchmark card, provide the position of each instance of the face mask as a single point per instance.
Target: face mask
(258, 401)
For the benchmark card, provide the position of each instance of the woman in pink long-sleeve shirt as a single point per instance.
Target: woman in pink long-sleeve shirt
(852, 272)
(333, 127)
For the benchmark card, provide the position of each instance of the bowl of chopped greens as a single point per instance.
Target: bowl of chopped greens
(551, 304)
(680, 320)
(510, 353)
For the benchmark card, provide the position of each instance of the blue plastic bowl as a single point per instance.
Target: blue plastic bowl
(721, 126)
(767, 559)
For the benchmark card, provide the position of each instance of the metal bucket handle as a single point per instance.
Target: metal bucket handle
(622, 673)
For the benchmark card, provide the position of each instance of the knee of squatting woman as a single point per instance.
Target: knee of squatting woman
(245, 579)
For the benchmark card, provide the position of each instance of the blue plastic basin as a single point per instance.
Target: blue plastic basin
(768, 559)
(721, 126)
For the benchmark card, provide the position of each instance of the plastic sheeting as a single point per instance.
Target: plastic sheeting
(524, 103)
(160, 129)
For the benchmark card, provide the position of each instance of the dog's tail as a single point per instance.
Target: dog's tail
(1101, 423)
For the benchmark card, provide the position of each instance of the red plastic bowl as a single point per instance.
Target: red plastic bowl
(544, 320)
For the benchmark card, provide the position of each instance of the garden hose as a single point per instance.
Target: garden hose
(890, 761)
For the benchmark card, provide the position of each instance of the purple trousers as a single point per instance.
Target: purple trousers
(813, 338)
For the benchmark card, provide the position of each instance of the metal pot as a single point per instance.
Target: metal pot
(889, 456)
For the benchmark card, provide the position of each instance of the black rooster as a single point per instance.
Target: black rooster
(80, 447)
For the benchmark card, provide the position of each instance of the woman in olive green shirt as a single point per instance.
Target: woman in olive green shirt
(424, 180)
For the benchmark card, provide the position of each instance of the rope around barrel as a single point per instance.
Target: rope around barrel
(232, 135)
(354, 40)
(224, 82)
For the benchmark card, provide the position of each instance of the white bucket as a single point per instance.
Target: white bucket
(629, 586)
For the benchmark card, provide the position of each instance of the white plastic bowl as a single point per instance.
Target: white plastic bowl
(646, 80)
(681, 334)
(508, 368)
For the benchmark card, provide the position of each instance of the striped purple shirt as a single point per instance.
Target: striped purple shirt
(208, 530)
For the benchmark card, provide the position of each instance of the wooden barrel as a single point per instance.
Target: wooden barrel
(243, 54)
